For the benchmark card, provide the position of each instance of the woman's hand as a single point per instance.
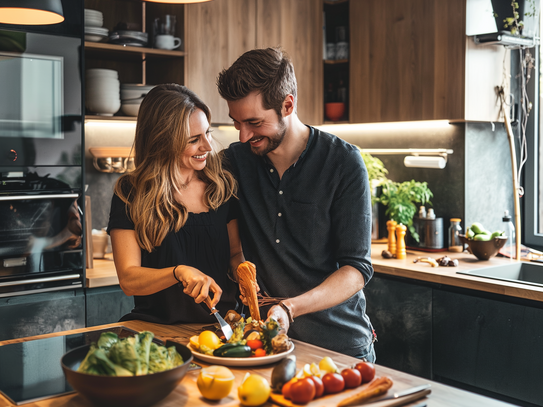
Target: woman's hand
(198, 285)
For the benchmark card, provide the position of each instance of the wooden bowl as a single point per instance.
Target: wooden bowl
(484, 250)
(334, 111)
(132, 391)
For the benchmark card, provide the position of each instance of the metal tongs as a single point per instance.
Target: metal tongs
(225, 328)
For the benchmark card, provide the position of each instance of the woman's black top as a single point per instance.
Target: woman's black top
(201, 243)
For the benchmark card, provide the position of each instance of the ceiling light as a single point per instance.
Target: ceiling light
(31, 12)
(177, 1)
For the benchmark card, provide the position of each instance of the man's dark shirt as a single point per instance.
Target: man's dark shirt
(300, 229)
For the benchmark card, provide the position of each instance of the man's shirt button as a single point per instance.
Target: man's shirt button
(277, 240)
(280, 192)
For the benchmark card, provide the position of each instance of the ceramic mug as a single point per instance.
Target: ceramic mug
(342, 50)
(167, 42)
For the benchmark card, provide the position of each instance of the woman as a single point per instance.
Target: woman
(172, 220)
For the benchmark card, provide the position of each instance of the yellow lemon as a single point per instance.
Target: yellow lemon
(209, 339)
(254, 390)
(315, 370)
(215, 382)
(327, 365)
(194, 342)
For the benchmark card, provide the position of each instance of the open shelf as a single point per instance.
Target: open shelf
(106, 48)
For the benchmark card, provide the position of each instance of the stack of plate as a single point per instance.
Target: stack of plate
(102, 91)
(132, 95)
(129, 38)
(93, 26)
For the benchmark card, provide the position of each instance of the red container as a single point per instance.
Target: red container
(334, 111)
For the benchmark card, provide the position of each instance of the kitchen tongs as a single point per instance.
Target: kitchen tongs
(225, 328)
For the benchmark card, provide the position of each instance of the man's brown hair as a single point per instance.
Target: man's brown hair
(268, 71)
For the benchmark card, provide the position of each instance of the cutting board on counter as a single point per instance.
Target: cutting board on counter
(334, 399)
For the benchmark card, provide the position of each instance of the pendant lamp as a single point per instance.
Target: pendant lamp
(31, 12)
(177, 1)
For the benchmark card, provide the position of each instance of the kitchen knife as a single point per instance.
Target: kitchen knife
(414, 393)
(225, 328)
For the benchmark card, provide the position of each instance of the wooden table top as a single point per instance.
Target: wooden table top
(187, 393)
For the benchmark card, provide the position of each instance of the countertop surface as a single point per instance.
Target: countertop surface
(187, 393)
(104, 274)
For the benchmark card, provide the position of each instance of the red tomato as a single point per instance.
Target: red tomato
(260, 352)
(333, 383)
(319, 387)
(367, 370)
(254, 344)
(285, 391)
(302, 391)
(352, 378)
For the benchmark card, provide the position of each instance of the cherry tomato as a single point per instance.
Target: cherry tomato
(333, 383)
(285, 391)
(352, 378)
(255, 344)
(319, 387)
(302, 391)
(260, 352)
(367, 370)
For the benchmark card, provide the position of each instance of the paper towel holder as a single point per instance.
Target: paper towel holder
(418, 157)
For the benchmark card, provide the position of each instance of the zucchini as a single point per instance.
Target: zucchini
(230, 350)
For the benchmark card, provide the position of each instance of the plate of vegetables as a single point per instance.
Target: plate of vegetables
(252, 344)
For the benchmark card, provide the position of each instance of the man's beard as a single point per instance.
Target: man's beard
(273, 141)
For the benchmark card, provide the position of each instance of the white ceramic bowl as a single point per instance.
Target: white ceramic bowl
(96, 30)
(106, 107)
(110, 73)
(94, 37)
(130, 109)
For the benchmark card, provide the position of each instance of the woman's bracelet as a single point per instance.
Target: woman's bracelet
(175, 276)
(287, 310)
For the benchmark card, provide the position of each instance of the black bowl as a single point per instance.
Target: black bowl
(484, 250)
(132, 391)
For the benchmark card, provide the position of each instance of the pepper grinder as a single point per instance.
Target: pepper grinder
(391, 227)
(400, 241)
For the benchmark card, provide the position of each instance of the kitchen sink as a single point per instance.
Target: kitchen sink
(517, 272)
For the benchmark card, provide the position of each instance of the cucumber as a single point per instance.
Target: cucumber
(283, 372)
(230, 350)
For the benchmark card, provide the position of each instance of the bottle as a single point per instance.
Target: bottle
(431, 214)
(455, 244)
(509, 229)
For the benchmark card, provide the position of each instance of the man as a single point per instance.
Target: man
(306, 208)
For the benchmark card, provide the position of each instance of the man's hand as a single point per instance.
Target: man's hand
(280, 315)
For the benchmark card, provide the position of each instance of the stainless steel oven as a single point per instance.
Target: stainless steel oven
(41, 149)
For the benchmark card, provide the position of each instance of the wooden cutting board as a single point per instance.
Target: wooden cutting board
(333, 399)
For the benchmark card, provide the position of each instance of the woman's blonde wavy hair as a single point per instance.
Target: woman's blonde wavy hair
(149, 191)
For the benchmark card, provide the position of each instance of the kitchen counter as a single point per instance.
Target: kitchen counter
(104, 274)
(187, 394)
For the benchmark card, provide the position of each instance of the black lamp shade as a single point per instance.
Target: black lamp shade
(31, 12)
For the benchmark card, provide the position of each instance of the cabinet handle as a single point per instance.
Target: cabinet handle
(41, 280)
(50, 196)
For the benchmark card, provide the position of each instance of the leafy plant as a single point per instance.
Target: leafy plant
(400, 200)
(377, 173)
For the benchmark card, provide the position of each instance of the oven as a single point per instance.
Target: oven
(41, 150)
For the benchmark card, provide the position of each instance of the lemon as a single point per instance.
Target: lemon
(215, 382)
(209, 339)
(327, 365)
(194, 342)
(254, 390)
(315, 370)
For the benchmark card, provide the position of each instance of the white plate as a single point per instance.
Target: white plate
(250, 361)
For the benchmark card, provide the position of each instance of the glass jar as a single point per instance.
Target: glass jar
(455, 230)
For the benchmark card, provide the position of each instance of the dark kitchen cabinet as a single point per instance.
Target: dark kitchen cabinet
(488, 344)
(106, 305)
(401, 314)
(37, 314)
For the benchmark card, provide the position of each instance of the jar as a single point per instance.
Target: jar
(455, 244)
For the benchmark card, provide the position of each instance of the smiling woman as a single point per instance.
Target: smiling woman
(173, 219)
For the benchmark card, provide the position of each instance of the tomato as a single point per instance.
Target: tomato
(255, 344)
(260, 352)
(302, 391)
(333, 383)
(367, 370)
(352, 378)
(285, 391)
(319, 387)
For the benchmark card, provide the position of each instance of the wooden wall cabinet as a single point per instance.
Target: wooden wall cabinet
(145, 65)
(411, 60)
(218, 32)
